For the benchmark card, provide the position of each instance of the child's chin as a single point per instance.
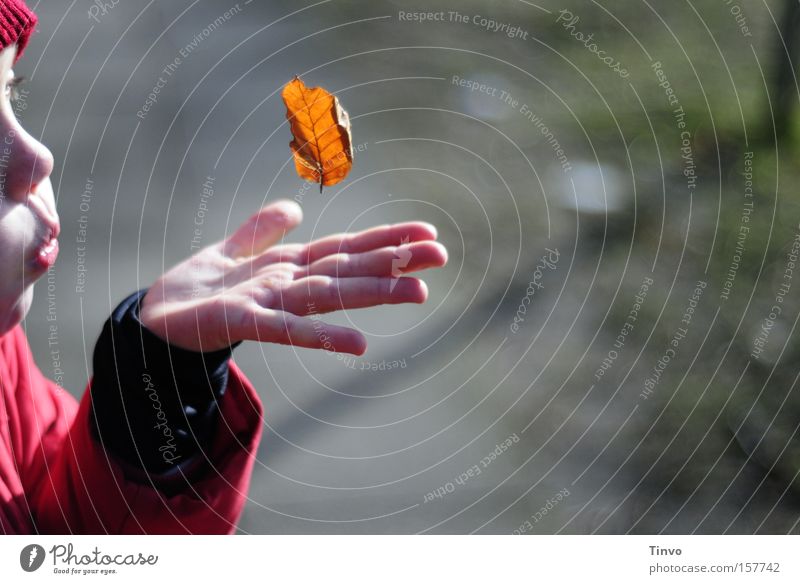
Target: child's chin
(13, 312)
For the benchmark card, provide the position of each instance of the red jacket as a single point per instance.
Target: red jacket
(55, 478)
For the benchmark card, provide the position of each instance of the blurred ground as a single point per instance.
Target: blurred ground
(360, 446)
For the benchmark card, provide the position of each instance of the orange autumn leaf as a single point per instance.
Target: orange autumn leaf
(322, 144)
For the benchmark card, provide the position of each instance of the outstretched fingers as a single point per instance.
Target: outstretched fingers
(368, 240)
(265, 325)
(386, 261)
(325, 294)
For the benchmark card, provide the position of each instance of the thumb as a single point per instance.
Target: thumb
(263, 229)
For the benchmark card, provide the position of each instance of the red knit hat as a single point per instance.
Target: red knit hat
(16, 24)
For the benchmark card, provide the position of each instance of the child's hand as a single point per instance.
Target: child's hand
(248, 288)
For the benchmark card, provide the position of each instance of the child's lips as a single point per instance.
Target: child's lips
(47, 254)
(46, 251)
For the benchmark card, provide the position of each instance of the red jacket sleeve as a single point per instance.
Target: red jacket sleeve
(73, 485)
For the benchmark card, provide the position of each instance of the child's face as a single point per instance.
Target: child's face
(28, 218)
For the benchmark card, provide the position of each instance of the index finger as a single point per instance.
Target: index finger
(367, 240)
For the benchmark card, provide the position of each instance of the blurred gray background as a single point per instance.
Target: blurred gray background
(351, 446)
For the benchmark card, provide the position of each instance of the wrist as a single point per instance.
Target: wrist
(152, 321)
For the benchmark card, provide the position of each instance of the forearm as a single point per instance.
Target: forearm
(155, 406)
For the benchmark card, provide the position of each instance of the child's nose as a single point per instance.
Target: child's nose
(29, 163)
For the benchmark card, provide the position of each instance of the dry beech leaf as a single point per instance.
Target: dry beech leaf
(322, 144)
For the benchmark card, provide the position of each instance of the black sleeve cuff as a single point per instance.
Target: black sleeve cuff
(154, 404)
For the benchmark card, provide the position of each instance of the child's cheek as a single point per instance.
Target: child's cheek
(16, 290)
(17, 230)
